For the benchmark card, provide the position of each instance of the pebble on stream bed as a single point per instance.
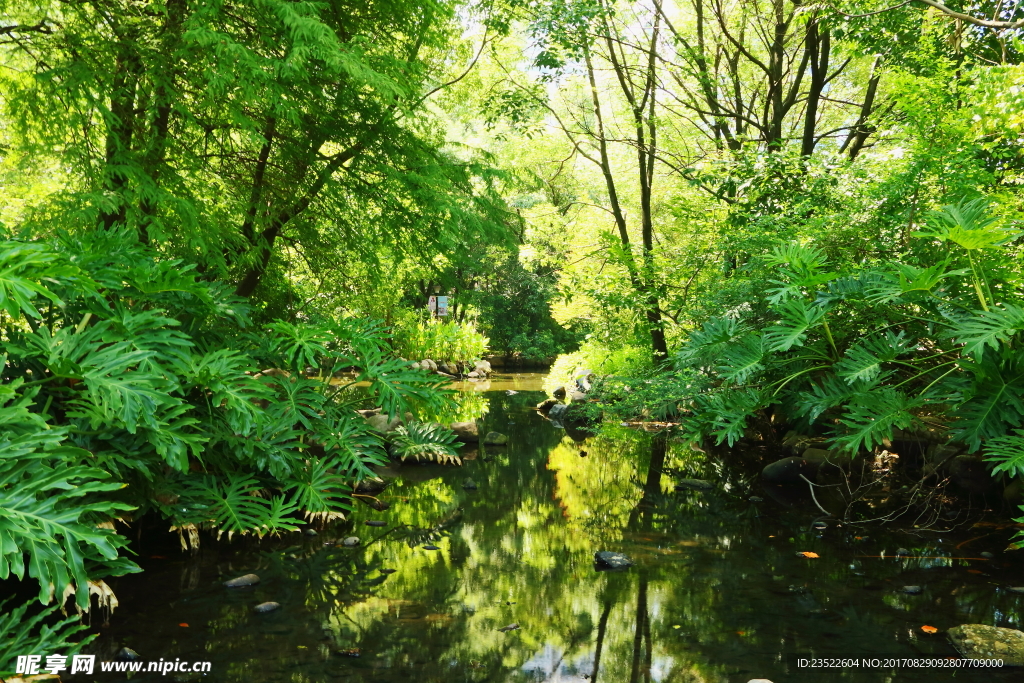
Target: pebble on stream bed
(265, 607)
(242, 581)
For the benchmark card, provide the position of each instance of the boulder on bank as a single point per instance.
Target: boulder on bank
(428, 365)
(577, 397)
(466, 432)
(788, 471)
(482, 368)
(371, 486)
(978, 641)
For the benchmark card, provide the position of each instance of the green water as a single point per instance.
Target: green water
(717, 594)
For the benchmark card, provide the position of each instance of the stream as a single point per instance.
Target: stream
(718, 592)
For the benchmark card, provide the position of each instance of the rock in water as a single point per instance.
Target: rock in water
(469, 484)
(495, 439)
(310, 532)
(557, 411)
(548, 404)
(466, 432)
(608, 560)
(559, 393)
(126, 654)
(375, 522)
(247, 580)
(697, 484)
(510, 627)
(912, 590)
(978, 641)
(265, 607)
(511, 392)
(1015, 589)
(350, 542)
(788, 471)
(430, 547)
(756, 499)
(371, 486)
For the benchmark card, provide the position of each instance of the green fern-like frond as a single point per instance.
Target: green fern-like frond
(425, 441)
(706, 345)
(23, 632)
(863, 361)
(1007, 452)
(989, 329)
(743, 359)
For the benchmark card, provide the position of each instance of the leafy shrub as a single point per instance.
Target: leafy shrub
(626, 361)
(132, 386)
(877, 348)
(439, 340)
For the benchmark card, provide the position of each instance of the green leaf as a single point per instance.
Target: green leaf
(797, 318)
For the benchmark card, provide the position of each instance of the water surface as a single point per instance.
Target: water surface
(718, 593)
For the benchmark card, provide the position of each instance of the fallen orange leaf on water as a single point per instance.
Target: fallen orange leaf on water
(929, 629)
(810, 555)
(974, 571)
(183, 625)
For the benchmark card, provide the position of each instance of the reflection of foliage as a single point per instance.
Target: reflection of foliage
(425, 441)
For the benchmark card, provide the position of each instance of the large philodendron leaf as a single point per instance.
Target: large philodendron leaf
(233, 504)
(968, 225)
(988, 329)
(49, 508)
(743, 359)
(797, 318)
(863, 361)
(1007, 452)
(24, 267)
(991, 399)
(870, 418)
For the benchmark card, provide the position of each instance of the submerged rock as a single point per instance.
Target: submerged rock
(375, 522)
(978, 641)
(430, 547)
(310, 532)
(265, 607)
(350, 542)
(495, 439)
(606, 559)
(696, 484)
(246, 580)
(469, 484)
(756, 499)
(1015, 589)
(912, 590)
